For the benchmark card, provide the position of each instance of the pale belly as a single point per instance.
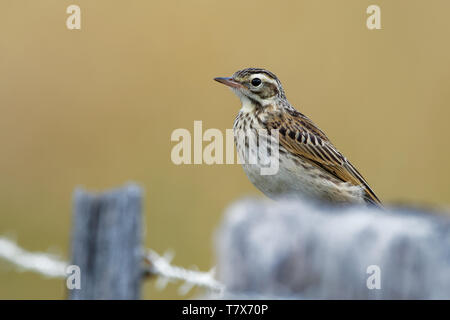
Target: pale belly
(296, 181)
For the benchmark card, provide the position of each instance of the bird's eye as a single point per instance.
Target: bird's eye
(256, 82)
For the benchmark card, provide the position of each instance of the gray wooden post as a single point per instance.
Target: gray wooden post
(300, 250)
(106, 243)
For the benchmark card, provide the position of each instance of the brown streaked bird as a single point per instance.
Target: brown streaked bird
(309, 164)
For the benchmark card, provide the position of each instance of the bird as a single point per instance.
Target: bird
(310, 166)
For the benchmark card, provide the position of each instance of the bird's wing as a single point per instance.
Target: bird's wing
(299, 135)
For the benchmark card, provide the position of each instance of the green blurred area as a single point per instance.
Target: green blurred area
(96, 108)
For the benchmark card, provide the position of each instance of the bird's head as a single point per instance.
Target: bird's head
(259, 86)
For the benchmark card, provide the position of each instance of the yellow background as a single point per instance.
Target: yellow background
(96, 108)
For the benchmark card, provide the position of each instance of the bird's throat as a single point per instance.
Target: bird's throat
(247, 105)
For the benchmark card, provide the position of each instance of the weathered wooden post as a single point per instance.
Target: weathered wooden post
(106, 243)
(299, 250)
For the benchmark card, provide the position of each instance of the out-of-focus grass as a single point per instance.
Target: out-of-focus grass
(96, 108)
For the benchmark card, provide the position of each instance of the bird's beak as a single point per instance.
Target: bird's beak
(229, 82)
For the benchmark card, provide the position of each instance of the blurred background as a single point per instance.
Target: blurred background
(96, 108)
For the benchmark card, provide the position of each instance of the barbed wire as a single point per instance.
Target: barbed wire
(160, 266)
(52, 266)
(46, 264)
